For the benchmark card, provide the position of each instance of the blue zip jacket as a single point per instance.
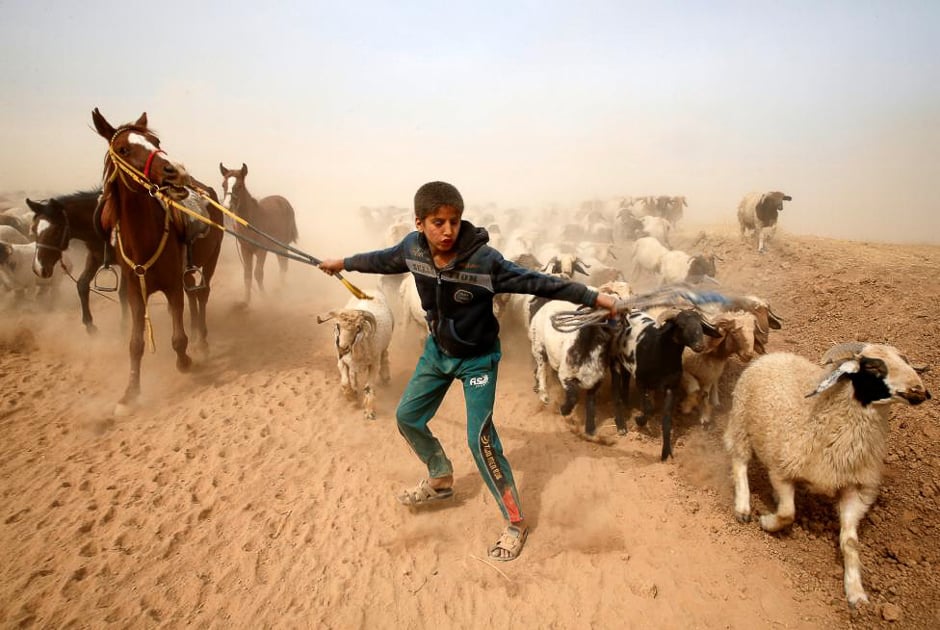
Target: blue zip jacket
(458, 299)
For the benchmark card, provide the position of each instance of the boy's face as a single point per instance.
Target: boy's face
(440, 228)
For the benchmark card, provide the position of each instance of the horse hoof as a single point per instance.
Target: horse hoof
(183, 363)
(91, 329)
(122, 410)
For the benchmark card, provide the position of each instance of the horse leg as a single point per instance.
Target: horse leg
(180, 340)
(136, 348)
(282, 264)
(83, 285)
(259, 268)
(247, 259)
(197, 320)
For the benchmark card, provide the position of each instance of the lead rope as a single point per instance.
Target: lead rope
(141, 272)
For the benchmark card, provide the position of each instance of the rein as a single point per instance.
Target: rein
(287, 250)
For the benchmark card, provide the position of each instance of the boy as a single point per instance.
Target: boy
(457, 275)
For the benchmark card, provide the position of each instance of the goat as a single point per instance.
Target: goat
(651, 352)
(827, 426)
(647, 256)
(362, 334)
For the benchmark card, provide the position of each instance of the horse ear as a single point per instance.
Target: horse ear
(244, 169)
(142, 121)
(102, 126)
(222, 169)
(35, 206)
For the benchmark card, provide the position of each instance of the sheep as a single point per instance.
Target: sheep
(827, 426)
(647, 256)
(677, 266)
(580, 358)
(362, 334)
(17, 271)
(413, 314)
(701, 371)
(758, 212)
(11, 235)
(651, 352)
(656, 227)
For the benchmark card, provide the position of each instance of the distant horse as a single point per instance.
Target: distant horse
(150, 239)
(55, 223)
(272, 215)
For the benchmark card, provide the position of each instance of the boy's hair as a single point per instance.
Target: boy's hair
(433, 195)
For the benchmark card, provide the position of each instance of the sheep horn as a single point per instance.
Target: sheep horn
(370, 319)
(775, 320)
(842, 352)
(666, 315)
(328, 317)
(580, 266)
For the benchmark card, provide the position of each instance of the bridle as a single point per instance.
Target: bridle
(63, 240)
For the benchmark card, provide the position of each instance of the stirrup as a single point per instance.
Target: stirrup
(193, 278)
(106, 279)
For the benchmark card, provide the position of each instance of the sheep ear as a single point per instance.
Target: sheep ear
(847, 367)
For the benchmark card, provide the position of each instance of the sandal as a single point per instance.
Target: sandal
(512, 539)
(423, 494)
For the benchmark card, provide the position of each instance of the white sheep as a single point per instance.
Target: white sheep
(827, 426)
(647, 256)
(656, 227)
(413, 316)
(9, 234)
(18, 276)
(362, 334)
(677, 266)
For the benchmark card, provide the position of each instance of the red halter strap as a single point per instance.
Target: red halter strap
(150, 161)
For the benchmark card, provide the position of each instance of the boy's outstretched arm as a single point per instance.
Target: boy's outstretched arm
(605, 300)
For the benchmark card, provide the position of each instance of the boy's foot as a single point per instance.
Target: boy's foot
(510, 544)
(423, 494)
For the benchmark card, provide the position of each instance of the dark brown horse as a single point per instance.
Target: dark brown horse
(150, 237)
(272, 215)
(55, 223)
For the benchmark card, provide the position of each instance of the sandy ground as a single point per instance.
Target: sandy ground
(250, 493)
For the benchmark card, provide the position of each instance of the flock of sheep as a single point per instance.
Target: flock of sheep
(824, 424)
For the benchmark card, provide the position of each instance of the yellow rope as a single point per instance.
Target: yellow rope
(155, 191)
(141, 272)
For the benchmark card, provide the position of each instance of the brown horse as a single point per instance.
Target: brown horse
(272, 215)
(58, 221)
(150, 238)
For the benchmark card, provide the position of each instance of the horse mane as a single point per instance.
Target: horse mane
(77, 195)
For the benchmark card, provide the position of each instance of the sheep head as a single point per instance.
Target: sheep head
(352, 326)
(688, 327)
(879, 374)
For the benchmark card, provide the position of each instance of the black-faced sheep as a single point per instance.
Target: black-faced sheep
(651, 352)
(758, 212)
(826, 426)
(362, 334)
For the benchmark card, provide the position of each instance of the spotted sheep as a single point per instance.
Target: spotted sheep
(362, 334)
(651, 353)
(823, 425)
(758, 212)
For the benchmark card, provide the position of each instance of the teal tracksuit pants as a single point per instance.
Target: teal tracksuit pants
(422, 398)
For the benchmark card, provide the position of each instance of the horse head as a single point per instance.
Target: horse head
(50, 227)
(134, 154)
(233, 182)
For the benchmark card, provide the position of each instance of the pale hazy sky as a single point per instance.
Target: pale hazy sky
(341, 104)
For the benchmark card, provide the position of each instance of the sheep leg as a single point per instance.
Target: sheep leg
(742, 491)
(571, 396)
(384, 372)
(541, 386)
(344, 384)
(668, 405)
(786, 510)
(647, 408)
(620, 386)
(853, 505)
